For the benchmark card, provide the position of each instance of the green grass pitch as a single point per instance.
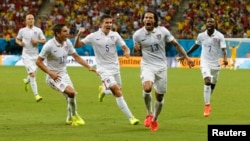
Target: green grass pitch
(22, 119)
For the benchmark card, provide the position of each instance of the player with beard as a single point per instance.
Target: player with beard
(151, 40)
(212, 42)
(104, 43)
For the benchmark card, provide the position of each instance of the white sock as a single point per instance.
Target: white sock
(207, 94)
(33, 85)
(123, 106)
(28, 79)
(158, 107)
(107, 91)
(72, 105)
(69, 112)
(148, 101)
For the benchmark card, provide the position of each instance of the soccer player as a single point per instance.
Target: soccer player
(233, 50)
(55, 52)
(29, 37)
(104, 43)
(212, 42)
(151, 40)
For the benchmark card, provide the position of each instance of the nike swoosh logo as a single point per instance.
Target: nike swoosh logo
(143, 40)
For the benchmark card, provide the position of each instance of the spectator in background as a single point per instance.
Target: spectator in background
(28, 38)
(104, 43)
(233, 49)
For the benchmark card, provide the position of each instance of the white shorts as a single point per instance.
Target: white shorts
(213, 73)
(30, 65)
(59, 85)
(109, 79)
(155, 75)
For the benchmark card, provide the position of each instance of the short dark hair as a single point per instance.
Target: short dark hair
(155, 16)
(58, 28)
(105, 16)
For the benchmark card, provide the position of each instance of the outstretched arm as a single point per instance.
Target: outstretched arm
(77, 42)
(54, 75)
(126, 51)
(224, 52)
(83, 62)
(180, 49)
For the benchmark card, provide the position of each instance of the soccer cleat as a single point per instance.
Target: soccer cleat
(69, 121)
(74, 121)
(38, 98)
(26, 85)
(134, 121)
(207, 110)
(80, 121)
(77, 120)
(154, 126)
(148, 120)
(101, 94)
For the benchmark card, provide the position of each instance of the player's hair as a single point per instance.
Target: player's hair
(105, 16)
(155, 16)
(58, 27)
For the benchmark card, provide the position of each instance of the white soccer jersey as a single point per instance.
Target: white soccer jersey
(56, 55)
(26, 34)
(211, 48)
(105, 50)
(153, 45)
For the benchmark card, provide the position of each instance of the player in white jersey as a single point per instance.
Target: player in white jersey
(151, 40)
(55, 53)
(104, 43)
(211, 42)
(29, 37)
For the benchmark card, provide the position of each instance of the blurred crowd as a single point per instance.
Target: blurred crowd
(232, 16)
(86, 13)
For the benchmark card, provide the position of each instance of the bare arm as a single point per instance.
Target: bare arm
(38, 41)
(83, 62)
(43, 67)
(193, 48)
(19, 42)
(137, 50)
(77, 42)
(180, 49)
(126, 51)
(224, 52)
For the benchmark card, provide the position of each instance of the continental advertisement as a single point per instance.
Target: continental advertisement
(16, 60)
(130, 62)
(197, 63)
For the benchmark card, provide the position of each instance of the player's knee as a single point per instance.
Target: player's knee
(70, 92)
(208, 81)
(159, 97)
(147, 86)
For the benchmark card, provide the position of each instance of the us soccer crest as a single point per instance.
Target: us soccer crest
(158, 36)
(215, 40)
(66, 48)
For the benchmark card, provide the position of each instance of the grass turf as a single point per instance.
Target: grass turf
(21, 118)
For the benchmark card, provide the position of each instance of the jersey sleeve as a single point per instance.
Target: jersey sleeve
(45, 50)
(71, 47)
